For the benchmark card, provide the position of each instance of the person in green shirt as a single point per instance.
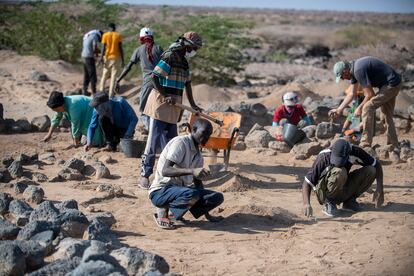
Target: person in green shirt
(78, 112)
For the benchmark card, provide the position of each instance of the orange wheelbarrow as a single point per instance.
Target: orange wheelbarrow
(223, 136)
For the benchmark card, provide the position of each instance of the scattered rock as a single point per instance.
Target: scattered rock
(20, 187)
(45, 211)
(67, 204)
(15, 169)
(39, 76)
(310, 131)
(258, 109)
(254, 128)
(69, 248)
(406, 153)
(258, 139)
(107, 159)
(21, 125)
(59, 267)
(106, 218)
(73, 223)
(98, 230)
(33, 194)
(97, 251)
(395, 157)
(303, 151)
(74, 163)
(5, 176)
(40, 177)
(101, 171)
(27, 159)
(327, 130)
(7, 161)
(20, 212)
(41, 123)
(48, 158)
(34, 253)
(252, 95)
(45, 239)
(70, 174)
(402, 124)
(5, 200)
(279, 146)
(239, 145)
(93, 268)
(12, 259)
(137, 261)
(35, 227)
(8, 231)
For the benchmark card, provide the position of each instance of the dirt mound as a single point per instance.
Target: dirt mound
(238, 183)
(253, 214)
(206, 94)
(274, 99)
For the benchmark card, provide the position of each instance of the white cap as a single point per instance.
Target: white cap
(290, 99)
(145, 32)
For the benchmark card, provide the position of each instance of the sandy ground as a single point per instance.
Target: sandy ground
(263, 232)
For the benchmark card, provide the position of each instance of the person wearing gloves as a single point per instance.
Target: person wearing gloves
(148, 54)
(116, 118)
(170, 77)
(290, 112)
(78, 112)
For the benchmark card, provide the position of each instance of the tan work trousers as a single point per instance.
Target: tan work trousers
(385, 98)
(110, 67)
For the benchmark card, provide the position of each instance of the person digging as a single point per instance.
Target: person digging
(177, 186)
(333, 183)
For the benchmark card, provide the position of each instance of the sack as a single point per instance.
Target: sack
(322, 188)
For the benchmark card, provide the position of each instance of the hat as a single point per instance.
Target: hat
(193, 38)
(290, 99)
(145, 32)
(339, 68)
(340, 151)
(55, 99)
(99, 98)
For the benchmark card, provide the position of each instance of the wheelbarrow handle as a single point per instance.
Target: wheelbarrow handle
(192, 110)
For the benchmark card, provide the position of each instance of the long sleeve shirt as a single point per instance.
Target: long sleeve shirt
(79, 113)
(123, 116)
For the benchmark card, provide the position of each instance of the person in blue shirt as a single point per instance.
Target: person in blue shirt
(116, 118)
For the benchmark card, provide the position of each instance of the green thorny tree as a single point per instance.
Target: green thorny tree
(51, 30)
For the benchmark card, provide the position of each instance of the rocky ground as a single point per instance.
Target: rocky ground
(66, 211)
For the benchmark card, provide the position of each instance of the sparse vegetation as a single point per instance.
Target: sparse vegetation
(357, 35)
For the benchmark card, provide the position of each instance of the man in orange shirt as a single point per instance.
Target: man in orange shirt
(112, 57)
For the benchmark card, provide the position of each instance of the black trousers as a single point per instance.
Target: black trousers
(89, 75)
(113, 134)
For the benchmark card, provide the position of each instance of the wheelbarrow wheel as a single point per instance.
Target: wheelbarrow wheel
(229, 145)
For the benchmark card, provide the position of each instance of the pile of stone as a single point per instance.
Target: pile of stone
(77, 169)
(77, 244)
(405, 153)
(22, 125)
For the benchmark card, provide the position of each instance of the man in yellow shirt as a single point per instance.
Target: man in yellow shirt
(112, 57)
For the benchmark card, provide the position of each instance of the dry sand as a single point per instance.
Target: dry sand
(263, 233)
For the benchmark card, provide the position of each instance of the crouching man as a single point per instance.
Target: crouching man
(333, 183)
(177, 186)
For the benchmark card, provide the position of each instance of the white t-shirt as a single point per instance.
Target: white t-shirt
(182, 151)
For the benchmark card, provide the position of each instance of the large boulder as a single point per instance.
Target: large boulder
(327, 130)
(69, 248)
(93, 268)
(305, 150)
(137, 261)
(8, 231)
(73, 223)
(70, 174)
(35, 227)
(20, 212)
(15, 169)
(45, 211)
(12, 259)
(258, 139)
(279, 146)
(34, 194)
(75, 163)
(57, 268)
(41, 123)
(5, 200)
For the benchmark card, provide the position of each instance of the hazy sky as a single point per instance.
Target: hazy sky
(406, 6)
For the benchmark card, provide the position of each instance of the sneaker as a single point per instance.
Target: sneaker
(351, 205)
(329, 209)
(144, 183)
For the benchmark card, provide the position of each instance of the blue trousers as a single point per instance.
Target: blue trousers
(160, 133)
(179, 200)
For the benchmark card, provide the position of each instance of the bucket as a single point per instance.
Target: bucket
(292, 135)
(132, 148)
